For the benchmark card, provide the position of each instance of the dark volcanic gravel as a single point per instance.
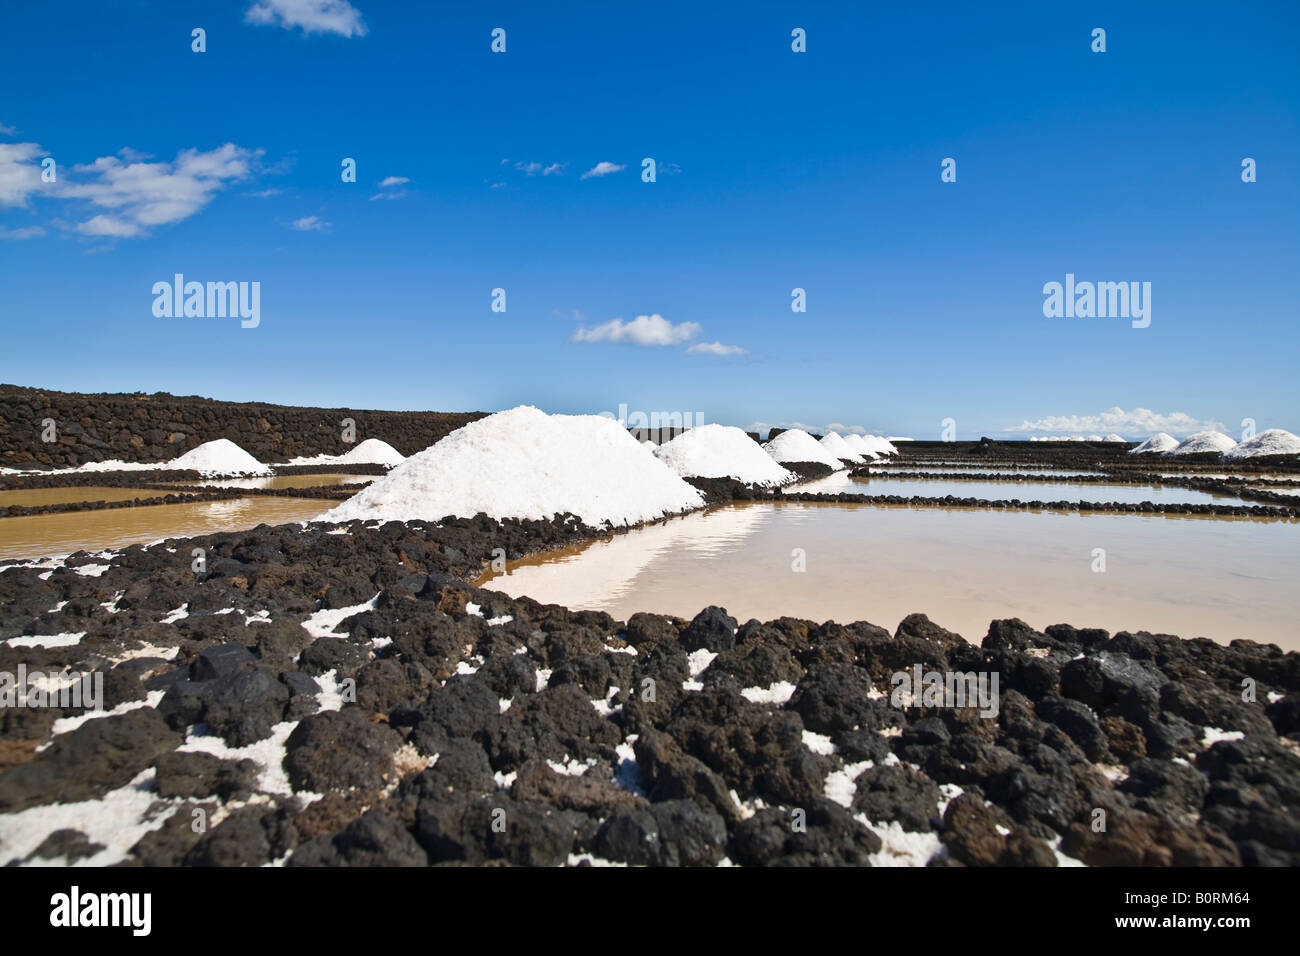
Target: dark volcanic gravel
(434, 723)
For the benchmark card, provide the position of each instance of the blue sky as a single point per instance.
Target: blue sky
(818, 170)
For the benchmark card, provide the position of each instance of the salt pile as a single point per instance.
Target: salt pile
(372, 451)
(1113, 437)
(838, 447)
(881, 446)
(798, 445)
(861, 446)
(1274, 441)
(721, 451)
(1203, 442)
(1159, 443)
(220, 457)
(523, 463)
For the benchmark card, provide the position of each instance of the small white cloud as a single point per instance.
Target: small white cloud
(393, 181)
(265, 193)
(530, 169)
(310, 224)
(313, 16)
(715, 348)
(7, 130)
(139, 196)
(555, 169)
(603, 169)
(27, 232)
(498, 186)
(643, 330)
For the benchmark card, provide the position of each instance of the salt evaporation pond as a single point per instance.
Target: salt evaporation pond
(63, 533)
(1006, 490)
(1222, 578)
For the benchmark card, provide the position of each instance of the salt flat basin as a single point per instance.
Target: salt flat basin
(1029, 490)
(38, 497)
(1222, 578)
(56, 534)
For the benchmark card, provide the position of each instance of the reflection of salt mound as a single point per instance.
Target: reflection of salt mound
(720, 451)
(523, 463)
(1274, 441)
(838, 447)
(1203, 442)
(861, 446)
(1159, 443)
(220, 457)
(798, 445)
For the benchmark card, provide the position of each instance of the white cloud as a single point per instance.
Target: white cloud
(313, 16)
(603, 169)
(1138, 422)
(715, 348)
(27, 232)
(310, 224)
(761, 427)
(530, 169)
(143, 195)
(265, 193)
(7, 130)
(20, 172)
(643, 330)
(555, 169)
(393, 181)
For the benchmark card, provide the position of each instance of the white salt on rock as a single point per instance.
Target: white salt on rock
(797, 445)
(1274, 441)
(721, 451)
(862, 447)
(1159, 443)
(1203, 442)
(523, 463)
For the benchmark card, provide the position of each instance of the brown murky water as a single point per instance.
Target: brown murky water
(1190, 576)
(56, 534)
(38, 497)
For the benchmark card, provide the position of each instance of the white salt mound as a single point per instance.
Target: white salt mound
(837, 446)
(882, 446)
(721, 451)
(861, 446)
(798, 445)
(372, 451)
(1203, 442)
(523, 463)
(1274, 441)
(1159, 443)
(1113, 437)
(220, 457)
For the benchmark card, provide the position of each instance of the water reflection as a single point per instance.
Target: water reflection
(1219, 578)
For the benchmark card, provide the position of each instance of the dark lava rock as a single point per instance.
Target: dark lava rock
(671, 833)
(374, 839)
(898, 793)
(339, 750)
(712, 629)
(67, 845)
(84, 764)
(822, 834)
(195, 774)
